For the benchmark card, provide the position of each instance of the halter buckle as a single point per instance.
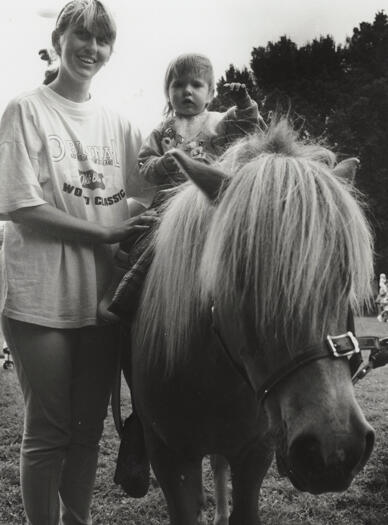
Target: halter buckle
(343, 345)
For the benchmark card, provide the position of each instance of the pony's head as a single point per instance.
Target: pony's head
(277, 241)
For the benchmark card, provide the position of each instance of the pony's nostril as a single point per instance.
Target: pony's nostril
(305, 454)
(369, 444)
(309, 459)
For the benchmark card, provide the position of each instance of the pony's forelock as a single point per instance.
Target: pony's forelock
(279, 139)
(299, 243)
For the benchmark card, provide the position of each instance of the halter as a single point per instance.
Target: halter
(345, 346)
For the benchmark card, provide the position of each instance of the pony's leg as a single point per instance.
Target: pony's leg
(220, 472)
(181, 482)
(247, 477)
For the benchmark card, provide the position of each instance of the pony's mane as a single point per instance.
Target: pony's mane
(288, 245)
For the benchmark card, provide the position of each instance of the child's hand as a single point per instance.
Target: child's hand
(170, 164)
(172, 168)
(238, 93)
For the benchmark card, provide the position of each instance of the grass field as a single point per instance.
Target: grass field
(365, 503)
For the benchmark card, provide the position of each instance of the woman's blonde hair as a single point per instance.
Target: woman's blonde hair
(92, 14)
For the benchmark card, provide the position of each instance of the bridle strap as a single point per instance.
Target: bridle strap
(312, 354)
(345, 346)
(342, 346)
(239, 369)
(370, 342)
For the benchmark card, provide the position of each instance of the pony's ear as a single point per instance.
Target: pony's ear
(347, 168)
(209, 179)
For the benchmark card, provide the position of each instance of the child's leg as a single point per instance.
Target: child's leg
(135, 208)
(94, 364)
(42, 359)
(119, 269)
(104, 314)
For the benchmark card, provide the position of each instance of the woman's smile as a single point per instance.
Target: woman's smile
(87, 59)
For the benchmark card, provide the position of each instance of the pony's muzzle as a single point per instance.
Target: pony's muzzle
(318, 465)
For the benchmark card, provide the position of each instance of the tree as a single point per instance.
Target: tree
(338, 94)
(359, 124)
(367, 49)
(294, 79)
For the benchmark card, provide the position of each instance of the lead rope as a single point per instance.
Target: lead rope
(378, 356)
(116, 390)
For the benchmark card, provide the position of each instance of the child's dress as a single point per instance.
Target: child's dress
(203, 137)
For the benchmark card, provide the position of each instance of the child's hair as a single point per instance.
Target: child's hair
(184, 64)
(91, 14)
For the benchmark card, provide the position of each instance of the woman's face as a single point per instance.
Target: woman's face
(83, 53)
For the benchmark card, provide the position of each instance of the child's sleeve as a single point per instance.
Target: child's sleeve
(138, 186)
(152, 164)
(135, 185)
(241, 120)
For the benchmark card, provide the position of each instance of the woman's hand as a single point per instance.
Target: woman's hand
(131, 227)
(53, 222)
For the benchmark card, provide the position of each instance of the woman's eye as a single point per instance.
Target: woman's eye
(83, 34)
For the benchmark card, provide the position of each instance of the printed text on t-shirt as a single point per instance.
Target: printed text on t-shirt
(103, 155)
(98, 200)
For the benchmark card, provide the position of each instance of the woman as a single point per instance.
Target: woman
(67, 166)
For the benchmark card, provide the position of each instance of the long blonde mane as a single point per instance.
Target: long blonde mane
(288, 245)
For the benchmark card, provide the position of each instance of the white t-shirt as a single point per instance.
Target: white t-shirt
(82, 159)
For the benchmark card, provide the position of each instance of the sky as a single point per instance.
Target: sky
(152, 32)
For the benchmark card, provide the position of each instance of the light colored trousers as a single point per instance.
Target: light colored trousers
(66, 378)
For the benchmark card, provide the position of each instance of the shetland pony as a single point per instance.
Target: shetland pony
(256, 262)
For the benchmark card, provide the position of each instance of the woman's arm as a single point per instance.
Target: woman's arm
(61, 225)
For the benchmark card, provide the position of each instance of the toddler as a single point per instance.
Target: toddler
(189, 126)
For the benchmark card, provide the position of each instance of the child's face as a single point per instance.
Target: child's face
(189, 95)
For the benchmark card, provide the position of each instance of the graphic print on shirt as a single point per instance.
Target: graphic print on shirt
(101, 155)
(193, 147)
(90, 179)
